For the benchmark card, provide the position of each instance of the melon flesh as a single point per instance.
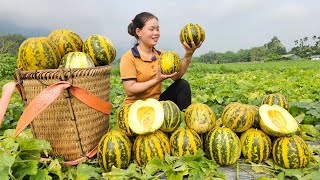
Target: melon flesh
(145, 117)
(277, 121)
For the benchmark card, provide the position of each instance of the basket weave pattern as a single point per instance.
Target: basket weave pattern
(71, 127)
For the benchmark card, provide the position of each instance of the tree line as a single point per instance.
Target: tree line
(271, 51)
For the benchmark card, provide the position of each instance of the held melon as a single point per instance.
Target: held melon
(38, 53)
(170, 62)
(114, 149)
(145, 116)
(66, 40)
(192, 32)
(277, 121)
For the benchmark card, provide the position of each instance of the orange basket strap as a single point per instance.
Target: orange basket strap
(77, 161)
(7, 91)
(38, 104)
(91, 100)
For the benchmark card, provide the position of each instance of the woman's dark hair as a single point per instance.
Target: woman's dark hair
(138, 22)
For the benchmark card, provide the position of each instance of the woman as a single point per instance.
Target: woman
(139, 67)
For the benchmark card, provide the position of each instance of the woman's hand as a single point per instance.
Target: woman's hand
(190, 50)
(160, 77)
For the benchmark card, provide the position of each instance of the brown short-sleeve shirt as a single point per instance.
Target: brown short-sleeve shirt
(141, 69)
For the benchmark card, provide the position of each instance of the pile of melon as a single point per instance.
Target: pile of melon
(151, 128)
(64, 48)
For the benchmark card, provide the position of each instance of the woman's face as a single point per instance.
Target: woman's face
(150, 33)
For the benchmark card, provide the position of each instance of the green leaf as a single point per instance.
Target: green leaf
(300, 117)
(85, 172)
(42, 174)
(21, 169)
(55, 168)
(310, 130)
(6, 161)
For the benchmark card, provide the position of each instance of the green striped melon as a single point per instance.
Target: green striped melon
(76, 60)
(277, 121)
(122, 121)
(172, 116)
(38, 53)
(200, 117)
(66, 40)
(170, 62)
(256, 123)
(238, 117)
(255, 145)
(150, 146)
(291, 152)
(185, 142)
(100, 49)
(223, 145)
(192, 32)
(277, 99)
(114, 149)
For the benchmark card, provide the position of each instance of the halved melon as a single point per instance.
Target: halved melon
(145, 116)
(277, 121)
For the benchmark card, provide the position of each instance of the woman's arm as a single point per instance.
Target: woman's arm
(187, 59)
(133, 87)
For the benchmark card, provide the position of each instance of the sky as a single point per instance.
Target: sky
(230, 25)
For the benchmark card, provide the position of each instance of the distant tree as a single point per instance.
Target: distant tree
(10, 43)
(210, 57)
(303, 48)
(258, 53)
(244, 55)
(275, 47)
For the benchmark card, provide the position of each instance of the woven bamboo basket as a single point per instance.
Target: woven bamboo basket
(71, 127)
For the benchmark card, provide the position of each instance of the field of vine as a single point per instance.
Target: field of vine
(215, 85)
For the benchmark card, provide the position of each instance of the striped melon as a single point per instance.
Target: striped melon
(38, 53)
(172, 116)
(277, 121)
(255, 145)
(185, 142)
(277, 99)
(114, 149)
(170, 62)
(291, 152)
(122, 121)
(147, 147)
(76, 60)
(145, 116)
(200, 117)
(238, 117)
(192, 32)
(66, 40)
(223, 145)
(256, 123)
(100, 49)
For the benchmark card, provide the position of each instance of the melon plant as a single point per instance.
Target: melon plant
(185, 142)
(192, 32)
(66, 40)
(114, 149)
(145, 116)
(76, 60)
(277, 99)
(150, 146)
(291, 152)
(38, 53)
(277, 121)
(223, 145)
(100, 49)
(172, 116)
(238, 117)
(170, 62)
(123, 122)
(200, 117)
(255, 145)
